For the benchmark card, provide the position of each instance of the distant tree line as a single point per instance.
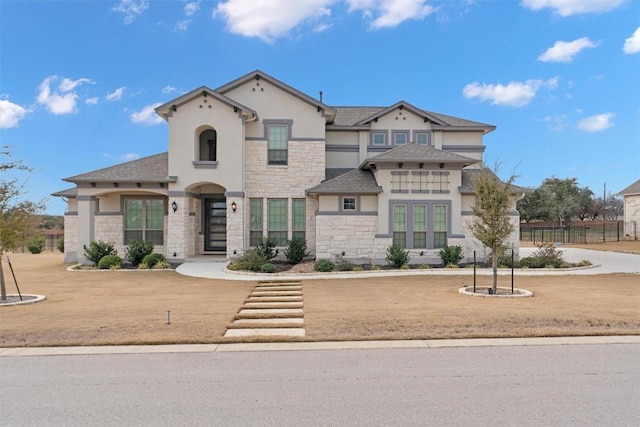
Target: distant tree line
(561, 200)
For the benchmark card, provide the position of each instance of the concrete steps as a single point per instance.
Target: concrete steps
(271, 309)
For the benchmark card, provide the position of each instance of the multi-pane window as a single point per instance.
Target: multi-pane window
(420, 182)
(255, 226)
(400, 138)
(439, 226)
(277, 141)
(399, 181)
(419, 226)
(144, 220)
(277, 221)
(440, 181)
(422, 138)
(299, 219)
(400, 225)
(379, 138)
(348, 203)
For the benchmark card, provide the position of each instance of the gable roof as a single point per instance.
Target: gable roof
(418, 153)
(631, 190)
(355, 181)
(469, 173)
(330, 112)
(166, 110)
(147, 169)
(401, 105)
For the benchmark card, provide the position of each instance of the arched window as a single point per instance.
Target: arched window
(208, 145)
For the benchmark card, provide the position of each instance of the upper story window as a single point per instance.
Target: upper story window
(378, 138)
(208, 146)
(400, 137)
(277, 143)
(423, 138)
(348, 203)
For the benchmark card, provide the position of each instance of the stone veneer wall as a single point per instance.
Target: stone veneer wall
(71, 238)
(352, 234)
(305, 169)
(110, 228)
(632, 216)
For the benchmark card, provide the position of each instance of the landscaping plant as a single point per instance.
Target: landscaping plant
(296, 251)
(152, 259)
(450, 255)
(324, 266)
(137, 250)
(36, 244)
(61, 244)
(266, 248)
(99, 249)
(112, 262)
(397, 256)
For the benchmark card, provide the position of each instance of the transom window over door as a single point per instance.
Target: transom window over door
(144, 220)
(277, 141)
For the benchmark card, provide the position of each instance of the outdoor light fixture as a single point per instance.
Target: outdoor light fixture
(174, 206)
(234, 206)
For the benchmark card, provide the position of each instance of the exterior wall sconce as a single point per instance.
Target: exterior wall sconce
(234, 206)
(174, 206)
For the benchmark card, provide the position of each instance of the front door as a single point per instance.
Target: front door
(215, 224)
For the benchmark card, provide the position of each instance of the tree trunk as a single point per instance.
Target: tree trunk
(494, 265)
(3, 288)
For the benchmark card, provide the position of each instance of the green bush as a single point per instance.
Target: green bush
(296, 251)
(61, 244)
(268, 268)
(162, 265)
(110, 262)
(344, 265)
(137, 250)
(584, 263)
(546, 256)
(152, 259)
(504, 260)
(424, 266)
(397, 256)
(358, 268)
(143, 266)
(266, 248)
(233, 266)
(451, 265)
(251, 260)
(36, 244)
(324, 266)
(97, 250)
(375, 267)
(450, 255)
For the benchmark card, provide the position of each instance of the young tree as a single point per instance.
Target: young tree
(18, 219)
(491, 223)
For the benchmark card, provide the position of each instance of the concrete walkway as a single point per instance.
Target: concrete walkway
(305, 346)
(604, 263)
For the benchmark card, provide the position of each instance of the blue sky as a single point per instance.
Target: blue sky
(559, 78)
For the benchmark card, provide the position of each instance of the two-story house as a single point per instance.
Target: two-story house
(256, 157)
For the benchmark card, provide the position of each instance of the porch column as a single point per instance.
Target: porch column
(178, 229)
(87, 206)
(235, 223)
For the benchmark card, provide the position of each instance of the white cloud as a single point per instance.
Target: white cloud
(596, 123)
(116, 95)
(127, 157)
(10, 114)
(565, 51)
(191, 8)
(62, 101)
(269, 19)
(131, 9)
(632, 44)
(147, 116)
(390, 13)
(169, 89)
(182, 26)
(91, 101)
(514, 94)
(573, 7)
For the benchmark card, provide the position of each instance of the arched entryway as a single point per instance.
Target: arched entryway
(212, 215)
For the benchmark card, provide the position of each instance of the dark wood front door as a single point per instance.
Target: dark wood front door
(215, 224)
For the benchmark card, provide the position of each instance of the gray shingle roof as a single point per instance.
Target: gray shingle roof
(355, 181)
(147, 169)
(630, 190)
(349, 116)
(419, 153)
(69, 192)
(469, 173)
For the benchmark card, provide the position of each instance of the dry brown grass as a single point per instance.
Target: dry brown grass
(111, 307)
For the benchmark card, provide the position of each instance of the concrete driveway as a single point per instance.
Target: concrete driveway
(604, 263)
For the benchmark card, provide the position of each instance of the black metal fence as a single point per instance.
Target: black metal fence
(577, 233)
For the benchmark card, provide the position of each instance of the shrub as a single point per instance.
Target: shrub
(162, 265)
(266, 249)
(296, 251)
(450, 255)
(61, 244)
(344, 265)
(584, 263)
(324, 265)
(152, 259)
(546, 256)
(97, 250)
(137, 250)
(424, 266)
(268, 268)
(358, 268)
(404, 267)
(504, 260)
(113, 262)
(233, 266)
(143, 266)
(251, 260)
(397, 256)
(36, 244)
(451, 265)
